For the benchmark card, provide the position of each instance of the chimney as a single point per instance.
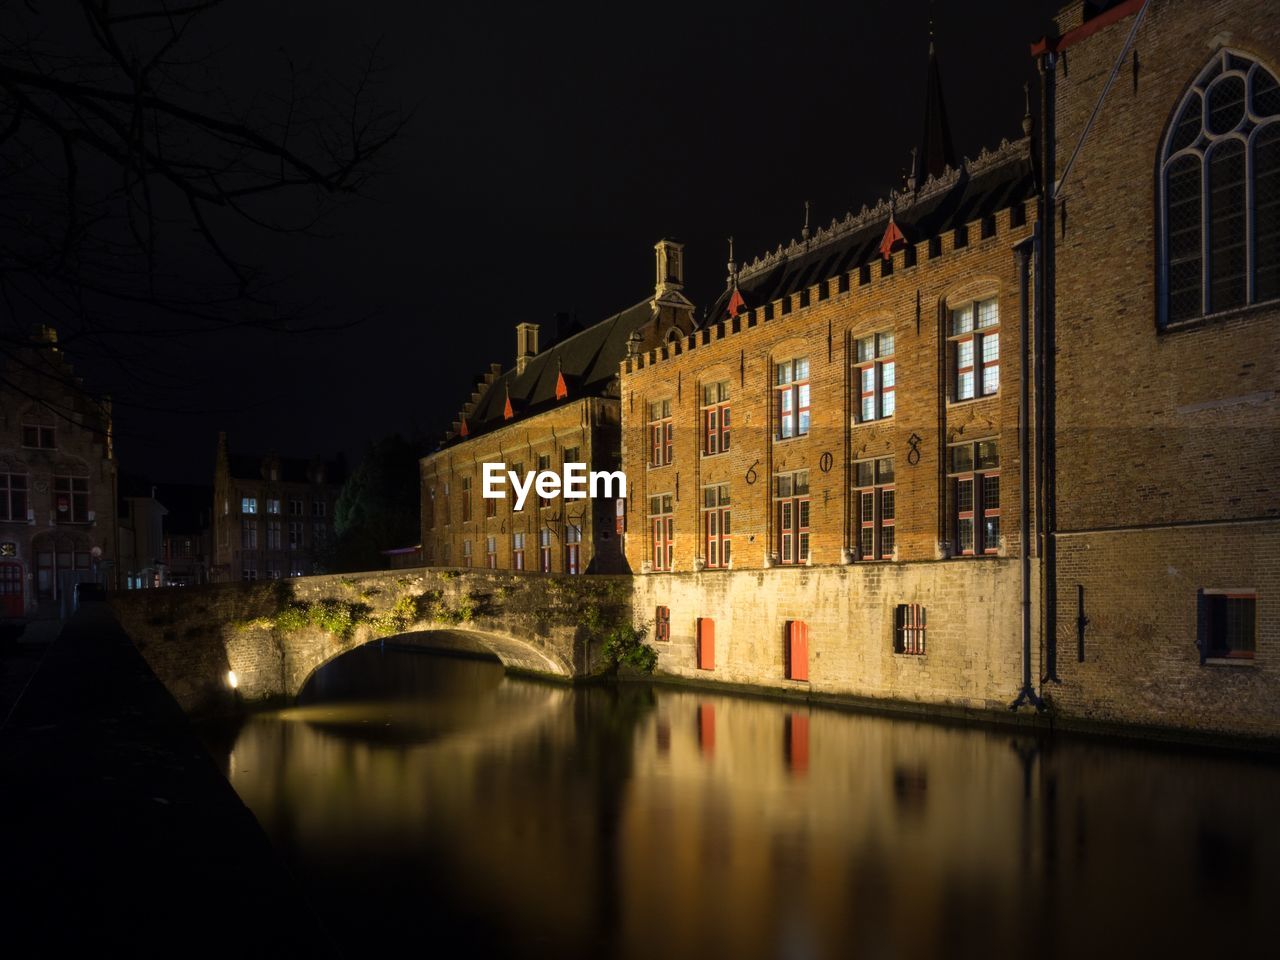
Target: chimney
(526, 345)
(670, 268)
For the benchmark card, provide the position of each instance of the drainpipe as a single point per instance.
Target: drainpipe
(1048, 264)
(1023, 251)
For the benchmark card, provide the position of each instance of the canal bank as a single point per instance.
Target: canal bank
(120, 833)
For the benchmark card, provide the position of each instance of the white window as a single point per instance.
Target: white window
(792, 404)
(975, 349)
(875, 376)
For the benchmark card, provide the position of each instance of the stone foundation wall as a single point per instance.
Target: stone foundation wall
(973, 646)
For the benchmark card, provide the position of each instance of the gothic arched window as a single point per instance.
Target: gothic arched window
(1220, 193)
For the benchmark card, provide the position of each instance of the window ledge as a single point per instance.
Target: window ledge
(962, 403)
(1210, 319)
(1230, 662)
(801, 436)
(712, 456)
(909, 656)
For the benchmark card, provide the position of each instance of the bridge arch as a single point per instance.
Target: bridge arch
(512, 652)
(220, 645)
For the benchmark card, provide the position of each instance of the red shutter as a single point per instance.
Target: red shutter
(797, 652)
(707, 729)
(706, 644)
(797, 742)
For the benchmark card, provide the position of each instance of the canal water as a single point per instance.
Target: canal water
(431, 803)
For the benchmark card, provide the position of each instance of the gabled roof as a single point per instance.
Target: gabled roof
(994, 181)
(588, 359)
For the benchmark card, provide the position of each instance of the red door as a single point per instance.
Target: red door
(11, 598)
(706, 644)
(797, 650)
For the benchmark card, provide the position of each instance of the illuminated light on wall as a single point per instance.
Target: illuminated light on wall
(232, 682)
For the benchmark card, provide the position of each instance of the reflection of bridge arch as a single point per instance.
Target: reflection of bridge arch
(514, 653)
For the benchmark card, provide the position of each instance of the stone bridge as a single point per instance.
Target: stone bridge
(273, 635)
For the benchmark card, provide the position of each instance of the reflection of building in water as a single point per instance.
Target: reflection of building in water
(640, 823)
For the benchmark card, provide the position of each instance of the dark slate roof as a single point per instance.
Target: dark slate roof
(588, 359)
(993, 182)
(292, 469)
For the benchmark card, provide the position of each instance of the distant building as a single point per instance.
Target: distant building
(188, 539)
(554, 406)
(57, 482)
(142, 517)
(272, 516)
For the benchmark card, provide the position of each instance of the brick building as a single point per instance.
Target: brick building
(1165, 447)
(57, 482)
(825, 476)
(555, 405)
(272, 516)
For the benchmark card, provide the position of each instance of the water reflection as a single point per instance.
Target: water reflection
(438, 801)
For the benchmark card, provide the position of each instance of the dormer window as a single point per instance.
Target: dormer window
(1219, 193)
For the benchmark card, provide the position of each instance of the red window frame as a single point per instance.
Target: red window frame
(544, 464)
(491, 553)
(715, 418)
(662, 528)
(490, 507)
(791, 511)
(793, 406)
(967, 327)
(517, 551)
(875, 509)
(544, 550)
(572, 548)
(466, 499)
(974, 470)
(717, 526)
(875, 358)
(662, 624)
(661, 434)
(466, 553)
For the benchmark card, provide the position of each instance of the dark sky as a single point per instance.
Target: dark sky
(551, 146)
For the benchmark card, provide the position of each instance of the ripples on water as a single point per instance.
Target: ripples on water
(432, 802)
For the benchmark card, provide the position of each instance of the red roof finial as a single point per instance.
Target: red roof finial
(562, 388)
(507, 411)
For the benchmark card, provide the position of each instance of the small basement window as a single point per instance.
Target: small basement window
(909, 629)
(1228, 624)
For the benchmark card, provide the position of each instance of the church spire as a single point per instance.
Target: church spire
(936, 151)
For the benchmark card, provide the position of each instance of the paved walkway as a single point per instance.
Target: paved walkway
(117, 830)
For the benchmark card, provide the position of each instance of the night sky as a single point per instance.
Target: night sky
(549, 148)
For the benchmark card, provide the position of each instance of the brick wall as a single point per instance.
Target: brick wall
(910, 303)
(590, 425)
(1156, 429)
